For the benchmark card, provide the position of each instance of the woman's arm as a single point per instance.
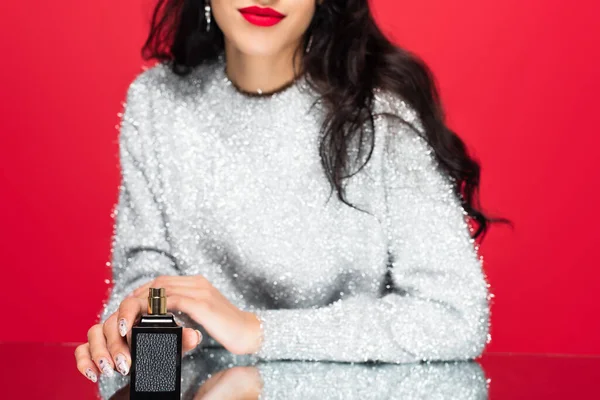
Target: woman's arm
(439, 307)
(140, 245)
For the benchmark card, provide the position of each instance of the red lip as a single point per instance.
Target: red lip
(266, 12)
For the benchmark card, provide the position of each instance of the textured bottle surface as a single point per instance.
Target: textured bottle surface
(156, 358)
(156, 361)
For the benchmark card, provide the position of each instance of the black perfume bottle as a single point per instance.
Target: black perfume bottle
(156, 352)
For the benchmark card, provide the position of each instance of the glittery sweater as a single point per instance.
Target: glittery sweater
(230, 186)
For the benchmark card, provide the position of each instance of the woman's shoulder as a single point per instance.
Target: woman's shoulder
(160, 80)
(389, 105)
(401, 132)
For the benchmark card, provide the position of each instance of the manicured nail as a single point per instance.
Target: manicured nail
(106, 368)
(91, 375)
(199, 336)
(122, 364)
(122, 327)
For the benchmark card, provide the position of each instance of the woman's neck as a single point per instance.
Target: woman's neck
(261, 74)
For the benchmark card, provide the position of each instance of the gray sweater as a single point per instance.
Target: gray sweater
(230, 186)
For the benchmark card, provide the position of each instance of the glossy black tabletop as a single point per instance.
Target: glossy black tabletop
(48, 371)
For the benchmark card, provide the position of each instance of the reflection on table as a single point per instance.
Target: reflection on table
(217, 374)
(47, 371)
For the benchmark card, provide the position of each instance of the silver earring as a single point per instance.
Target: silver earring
(207, 15)
(309, 43)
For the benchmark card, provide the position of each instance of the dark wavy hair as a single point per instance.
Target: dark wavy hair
(349, 57)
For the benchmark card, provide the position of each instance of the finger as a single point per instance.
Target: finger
(117, 347)
(170, 290)
(169, 280)
(85, 365)
(129, 310)
(98, 350)
(191, 292)
(142, 289)
(206, 389)
(191, 338)
(185, 304)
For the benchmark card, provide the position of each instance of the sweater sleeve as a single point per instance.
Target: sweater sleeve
(140, 245)
(438, 306)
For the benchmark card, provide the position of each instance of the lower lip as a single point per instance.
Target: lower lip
(261, 20)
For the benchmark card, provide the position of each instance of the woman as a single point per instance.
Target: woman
(231, 149)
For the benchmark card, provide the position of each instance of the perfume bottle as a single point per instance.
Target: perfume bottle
(156, 352)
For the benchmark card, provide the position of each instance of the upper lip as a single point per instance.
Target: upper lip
(261, 11)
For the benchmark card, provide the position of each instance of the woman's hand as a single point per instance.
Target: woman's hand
(108, 344)
(237, 330)
(237, 383)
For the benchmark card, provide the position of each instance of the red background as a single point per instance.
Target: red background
(519, 81)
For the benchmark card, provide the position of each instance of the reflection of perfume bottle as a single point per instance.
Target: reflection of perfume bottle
(156, 352)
